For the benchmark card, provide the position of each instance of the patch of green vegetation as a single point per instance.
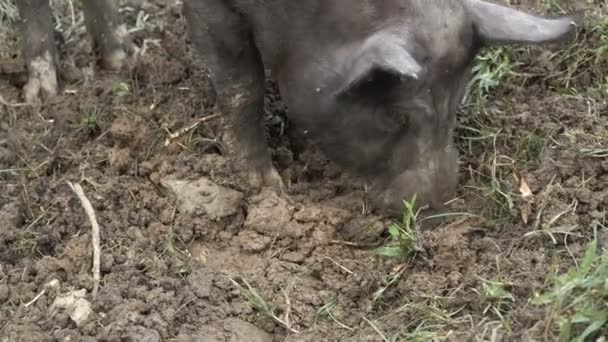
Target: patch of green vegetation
(488, 182)
(325, 312)
(552, 7)
(425, 319)
(499, 206)
(256, 301)
(142, 23)
(25, 242)
(89, 122)
(496, 296)
(493, 67)
(387, 281)
(578, 301)
(534, 145)
(8, 12)
(404, 235)
(8, 19)
(580, 66)
(122, 89)
(496, 291)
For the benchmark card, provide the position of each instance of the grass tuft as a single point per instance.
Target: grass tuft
(256, 301)
(404, 235)
(578, 301)
(493, 67)
(8, 12)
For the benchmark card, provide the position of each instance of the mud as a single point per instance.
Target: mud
(176, 227)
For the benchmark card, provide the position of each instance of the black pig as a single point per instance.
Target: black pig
(38, 47)
(376, 83)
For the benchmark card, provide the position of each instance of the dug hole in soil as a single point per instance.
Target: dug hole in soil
(176, 227)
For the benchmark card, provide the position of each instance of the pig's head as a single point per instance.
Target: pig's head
(387, 107)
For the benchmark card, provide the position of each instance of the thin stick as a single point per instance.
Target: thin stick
(8, 104)
(338, 264)
(187, 129)
(72, 14)
(35, 298)
(88, 208)
(355, 244)
(288, 309)
(375, 327)
(338, 322)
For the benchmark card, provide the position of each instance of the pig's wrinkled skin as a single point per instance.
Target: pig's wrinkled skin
(38, 47)
(376, 83)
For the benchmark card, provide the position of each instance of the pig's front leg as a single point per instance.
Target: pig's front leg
(38, 49)
(109, 34)
(226, 48)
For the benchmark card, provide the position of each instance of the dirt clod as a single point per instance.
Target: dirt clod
(4, 292)
(141, 334)
(241, 331)
(268, 213)
(252, 241)
(213, 200)
(10, 217)
(201, 283)
(75, 305)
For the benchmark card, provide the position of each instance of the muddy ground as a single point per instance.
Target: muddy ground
(176, 227)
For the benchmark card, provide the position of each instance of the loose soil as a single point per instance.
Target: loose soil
(176, 227)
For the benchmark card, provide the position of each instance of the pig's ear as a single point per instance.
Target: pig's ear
(381, 52)
(497, 24)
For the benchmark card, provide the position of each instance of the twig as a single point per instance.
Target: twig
(338, 264)
(35, 298)
(88, 208)
(187, 129)
(338, 322)
(51, 285)
(72, 14)
(288, 309)
(355, 244)
(257, 302)
(8, 104)
(375, 327)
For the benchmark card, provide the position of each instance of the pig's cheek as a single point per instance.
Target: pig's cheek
(447, 177)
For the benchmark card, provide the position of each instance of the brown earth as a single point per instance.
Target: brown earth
(175, 227)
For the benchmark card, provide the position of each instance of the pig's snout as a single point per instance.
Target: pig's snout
(432, 180)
